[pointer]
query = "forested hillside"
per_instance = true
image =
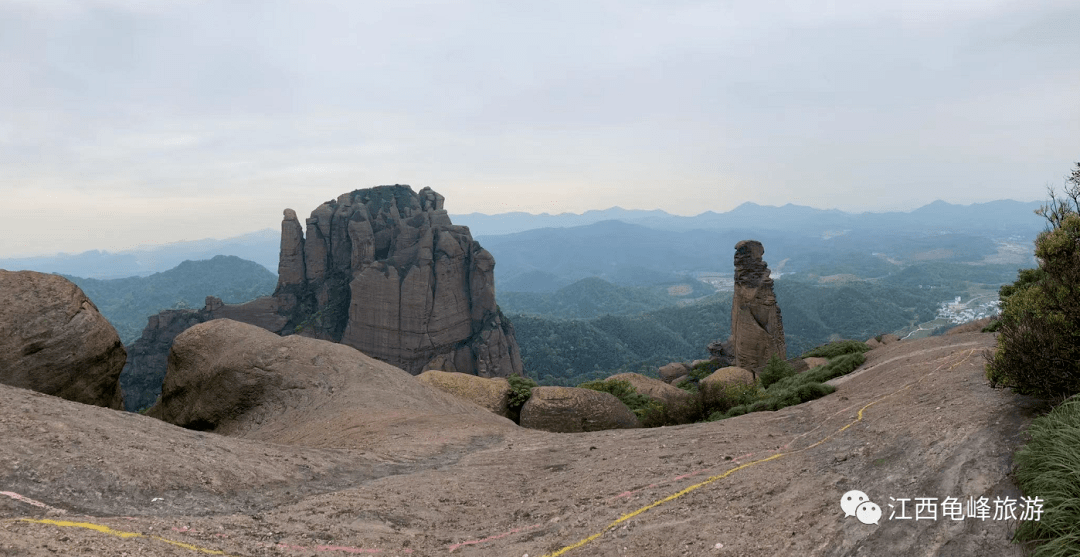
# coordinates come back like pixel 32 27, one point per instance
pixel 128 302
pixel 560 350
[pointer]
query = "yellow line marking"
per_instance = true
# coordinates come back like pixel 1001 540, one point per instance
pixel 120 533
pixel 712 479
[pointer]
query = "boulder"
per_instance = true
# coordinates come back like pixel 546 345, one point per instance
pixel 729 375
pixel 757 331
pixel 241 380
pixel 673 370
pixel 148 356
pixel 491 393
pixel 655 389
pixel 889 339
pixel 873 342
pixel 53 340
pixel 572 410
pixel 815 362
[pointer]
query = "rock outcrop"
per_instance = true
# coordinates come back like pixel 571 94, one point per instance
pixel 757 331
pixel 241 380
pixel 490 393
pixel 573 410
pixel 53 340
pixel 382 270
pixel 673 371
pixel 148 356
pixel 729 375
pixel 655 389
pixel 385 271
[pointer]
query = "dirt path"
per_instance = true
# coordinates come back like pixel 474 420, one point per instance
pixel 917 420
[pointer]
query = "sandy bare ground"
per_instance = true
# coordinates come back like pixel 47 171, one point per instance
pixel 763 484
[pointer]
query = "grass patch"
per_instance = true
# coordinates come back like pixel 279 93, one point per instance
pixel 838 348
pixel 1047 468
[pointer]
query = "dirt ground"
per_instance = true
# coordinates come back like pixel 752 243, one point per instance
pixel 917 420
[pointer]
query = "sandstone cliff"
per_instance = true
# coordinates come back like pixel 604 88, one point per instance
pixel 382 270
pixel 385 271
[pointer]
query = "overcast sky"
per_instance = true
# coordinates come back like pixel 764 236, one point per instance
pixel 128 122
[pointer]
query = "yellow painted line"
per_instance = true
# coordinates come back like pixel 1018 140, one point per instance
pixel 120 534
pixel 712 479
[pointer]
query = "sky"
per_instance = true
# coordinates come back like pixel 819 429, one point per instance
pixel 134 122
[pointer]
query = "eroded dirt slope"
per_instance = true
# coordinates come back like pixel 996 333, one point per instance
pixel 930 427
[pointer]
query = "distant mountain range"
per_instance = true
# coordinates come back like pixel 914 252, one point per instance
pixel 995 219
pixel 128 302
pixel 261 247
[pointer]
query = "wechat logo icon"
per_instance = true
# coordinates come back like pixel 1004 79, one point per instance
pixel 856 503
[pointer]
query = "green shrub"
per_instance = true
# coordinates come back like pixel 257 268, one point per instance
pixel 775 370
pixel 520 391
pixel 1038 350
pixel 721 397
pixel 624 391
pixel 840 365
pixel 838 348
pixel 1046 468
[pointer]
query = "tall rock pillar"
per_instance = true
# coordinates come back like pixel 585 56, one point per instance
pixel 757 331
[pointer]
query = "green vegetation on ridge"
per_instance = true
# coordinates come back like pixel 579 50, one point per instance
pixel 127 302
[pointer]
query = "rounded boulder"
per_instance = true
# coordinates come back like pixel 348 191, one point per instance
pixel 573 410
pixel 53 340
pixel 729 375
pixel 491 393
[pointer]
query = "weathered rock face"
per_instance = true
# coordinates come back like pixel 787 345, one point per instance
pixel 757 331
pixel 148 356
pixel 382 270
pixel 729 375
pixel 491 393
pixel 53 340
pixel 673 371
pixel 385 271
pixel 240 380
pixel 573 410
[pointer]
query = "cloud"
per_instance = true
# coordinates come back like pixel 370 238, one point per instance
pixel 686 106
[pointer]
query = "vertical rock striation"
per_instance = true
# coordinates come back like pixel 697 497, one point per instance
pixel 757 331
pixel 385 271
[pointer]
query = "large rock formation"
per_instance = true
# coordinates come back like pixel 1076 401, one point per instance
pixel 382 270
pixel 385 271
pixel 241 380
pixel 53 340
pixel 756 329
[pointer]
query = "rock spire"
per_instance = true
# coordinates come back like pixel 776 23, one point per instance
pixel 757 331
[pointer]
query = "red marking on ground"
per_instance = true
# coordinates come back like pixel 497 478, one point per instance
pixel 345 549
pixel 30 501
pixel 495 537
